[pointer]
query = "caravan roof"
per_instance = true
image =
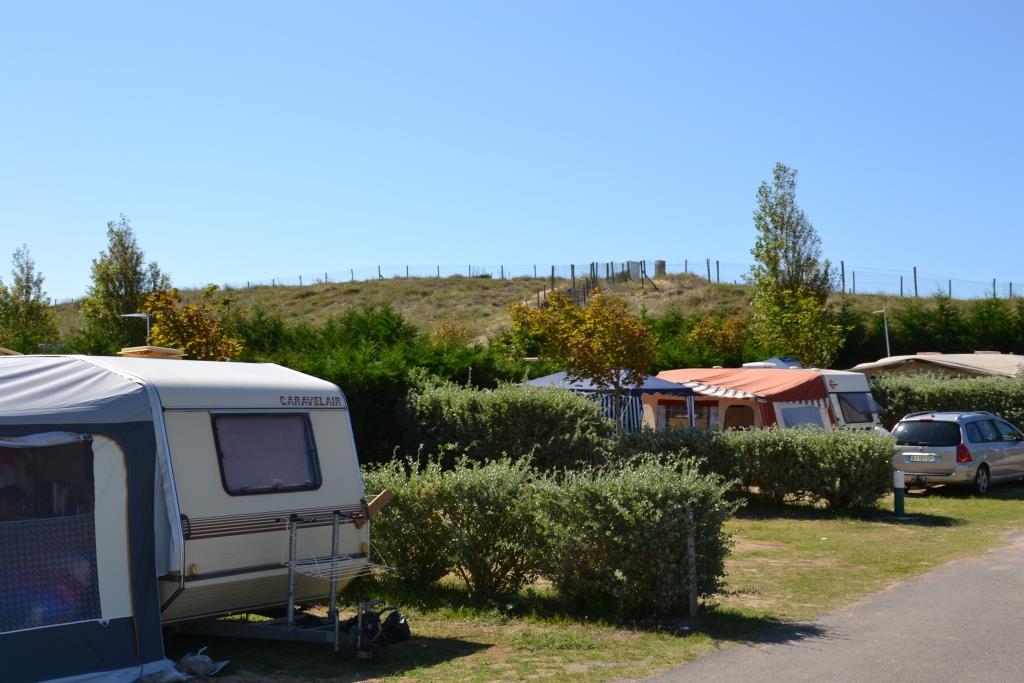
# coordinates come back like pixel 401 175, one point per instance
pixel 53 382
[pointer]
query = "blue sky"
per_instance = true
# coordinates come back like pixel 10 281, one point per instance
pixel 254 140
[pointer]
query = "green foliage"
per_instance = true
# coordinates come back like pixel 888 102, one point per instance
pixel 479 520
pixel 602 342
pixel 195 328
pixel 371 353
pixel 556 428
pixel 121 281
pixel 843 468
pixel 493 532
pixel 411 532
pixel 791 281
pixel 26 319
pixel 900 395
pixel 608 539
pixel 617 539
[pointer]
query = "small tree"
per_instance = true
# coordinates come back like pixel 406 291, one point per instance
pixel 121 281
pixel 791 281
pixel 193 328
pixel 26 318
pixel 602 342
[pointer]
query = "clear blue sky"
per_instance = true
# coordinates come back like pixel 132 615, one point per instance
pixel 251 140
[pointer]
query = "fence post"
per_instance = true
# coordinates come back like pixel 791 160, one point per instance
pixel 854 274
pixel 718 272
pixel 1011 290
pixel 993 288
pixel 326 279
pixel 439 272
pixel 552 278
pixel 691 561
pixel 686 266
pixel 300 281
pixel 572 274
pixel 949 287
pixel 842 275
pixel 709 271
pixel 273 282
pixel 502 272
pixel 352 274
pixel 915 282
pixel 901 285
pixel 407 272
pixel 534 271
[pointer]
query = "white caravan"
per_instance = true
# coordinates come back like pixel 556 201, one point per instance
pixel 137 492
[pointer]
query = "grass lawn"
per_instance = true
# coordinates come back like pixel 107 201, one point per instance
pixel 789 565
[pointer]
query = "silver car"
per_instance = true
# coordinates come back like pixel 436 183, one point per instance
pixel 974 449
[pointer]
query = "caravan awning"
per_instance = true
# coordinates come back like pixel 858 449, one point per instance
pixel 650 385
pixel 751 383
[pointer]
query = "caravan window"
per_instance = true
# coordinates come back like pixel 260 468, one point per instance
pixel 266 453
pixel 800 415
pixel 857 406
pixel 47 532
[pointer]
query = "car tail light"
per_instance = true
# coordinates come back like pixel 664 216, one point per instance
pixel 962 454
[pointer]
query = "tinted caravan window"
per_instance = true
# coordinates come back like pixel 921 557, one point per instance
pixel 266 453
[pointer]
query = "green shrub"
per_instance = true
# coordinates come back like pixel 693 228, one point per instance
pixel 556 428
pixel 493 536
pixel 411 533
pixel 900 395
pixel 843 468
pixel 478 520
pixel 617 539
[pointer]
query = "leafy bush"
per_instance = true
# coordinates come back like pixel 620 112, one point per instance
pixel 479 520
pixel 493 536
pixel 907 394
pixel 556 428
pixel 411 532
pixel 617 539
pixel 842 467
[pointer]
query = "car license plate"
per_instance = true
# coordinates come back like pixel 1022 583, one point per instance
pixel 921 457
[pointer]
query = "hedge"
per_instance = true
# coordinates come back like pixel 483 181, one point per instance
pixel 556 428
pixel 900 395
pixel 843 468
pixel 607 539
pixel 617 539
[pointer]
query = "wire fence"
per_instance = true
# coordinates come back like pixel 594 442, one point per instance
pixel 850 278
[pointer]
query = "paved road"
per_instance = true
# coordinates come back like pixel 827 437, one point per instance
pixel 961 622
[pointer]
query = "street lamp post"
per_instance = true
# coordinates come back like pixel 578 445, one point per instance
pixel 139 315
pixel 885 323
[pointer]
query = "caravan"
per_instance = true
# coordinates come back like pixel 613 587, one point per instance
pixel 138 493
pixel 727 398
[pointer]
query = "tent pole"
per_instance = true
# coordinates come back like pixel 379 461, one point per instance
pixel 689 411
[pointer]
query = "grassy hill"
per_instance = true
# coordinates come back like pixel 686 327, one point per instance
pixel 479 303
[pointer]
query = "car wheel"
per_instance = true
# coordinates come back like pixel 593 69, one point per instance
pixel 982 481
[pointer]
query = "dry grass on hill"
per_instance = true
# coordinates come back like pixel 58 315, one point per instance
pixel 479 304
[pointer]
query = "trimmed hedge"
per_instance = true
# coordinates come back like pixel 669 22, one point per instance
pixel 479 521
pixel 844 468
pixel 900 395
pixel 617 539
pixel 556 428
pixel 607 539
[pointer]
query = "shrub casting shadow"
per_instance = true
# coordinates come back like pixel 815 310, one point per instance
pixel 755 630
pixel 757 509
pixel 314 660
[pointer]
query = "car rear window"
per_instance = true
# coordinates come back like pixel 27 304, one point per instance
pixel 927 433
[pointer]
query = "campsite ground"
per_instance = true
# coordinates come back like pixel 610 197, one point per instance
pixel 788 566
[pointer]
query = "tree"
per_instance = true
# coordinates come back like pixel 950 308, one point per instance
pixel 121 281
pixel 724 338
pixel 193 328
pixel 26 319
pixel 602 342
pixel 787 252
pixel 791 281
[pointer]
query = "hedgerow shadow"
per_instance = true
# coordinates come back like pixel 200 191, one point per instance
pixel 757 509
